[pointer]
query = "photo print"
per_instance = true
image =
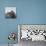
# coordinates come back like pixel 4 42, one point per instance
pixel 10 12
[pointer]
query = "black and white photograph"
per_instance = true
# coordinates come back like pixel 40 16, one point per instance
pixel 31 34
pixel 10 12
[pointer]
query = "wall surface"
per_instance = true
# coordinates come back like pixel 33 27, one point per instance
pixel 28 12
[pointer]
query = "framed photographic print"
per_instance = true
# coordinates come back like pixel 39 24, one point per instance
pixel 32 32
pixel 10 12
